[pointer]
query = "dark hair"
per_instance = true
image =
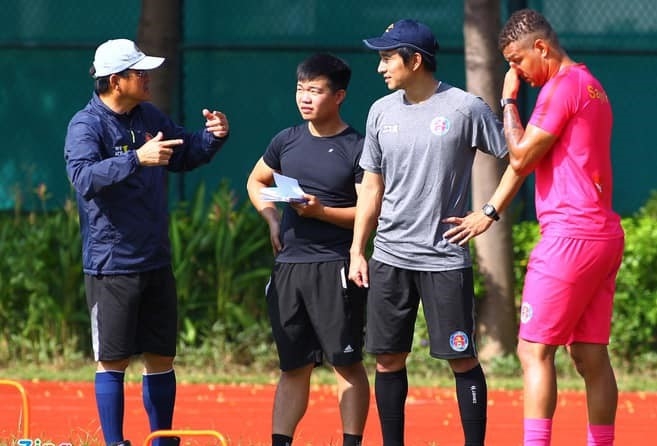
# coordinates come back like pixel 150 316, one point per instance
pixel 333 68
pixel 406 53
pixel 101 84
pixel 523 23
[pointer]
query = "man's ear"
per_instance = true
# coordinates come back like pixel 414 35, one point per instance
pixel 416 61
pixel 542 47
pixel 113 81
pixel 340 96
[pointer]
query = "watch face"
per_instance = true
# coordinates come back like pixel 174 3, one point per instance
pixel 490 211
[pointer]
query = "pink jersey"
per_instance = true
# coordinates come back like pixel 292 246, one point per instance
pixel 574 179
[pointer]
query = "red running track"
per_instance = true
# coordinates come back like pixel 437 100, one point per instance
pixel 66 412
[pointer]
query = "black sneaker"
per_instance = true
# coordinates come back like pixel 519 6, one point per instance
pixel 121 443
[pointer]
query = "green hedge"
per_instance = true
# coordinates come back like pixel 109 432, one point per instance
pixel 222 259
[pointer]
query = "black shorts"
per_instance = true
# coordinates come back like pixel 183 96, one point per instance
pixel 448 304
pixel 314 311
pixel 132 314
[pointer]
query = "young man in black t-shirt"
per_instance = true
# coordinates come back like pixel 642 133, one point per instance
pixel 315 311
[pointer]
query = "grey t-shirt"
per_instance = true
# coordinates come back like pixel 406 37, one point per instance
pixel 424 153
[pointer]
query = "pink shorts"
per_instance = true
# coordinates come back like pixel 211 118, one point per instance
pixel 569 290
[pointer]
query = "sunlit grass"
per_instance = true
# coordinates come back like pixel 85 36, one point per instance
pixel 503 374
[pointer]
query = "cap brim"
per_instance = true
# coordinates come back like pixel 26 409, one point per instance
pixel 147 63
pixel 381 44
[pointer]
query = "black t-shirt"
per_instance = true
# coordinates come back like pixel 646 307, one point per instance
pixel 327 168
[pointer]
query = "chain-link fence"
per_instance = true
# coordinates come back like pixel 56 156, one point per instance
pixel 240 57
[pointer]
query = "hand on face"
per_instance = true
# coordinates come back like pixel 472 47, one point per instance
pixel 511 84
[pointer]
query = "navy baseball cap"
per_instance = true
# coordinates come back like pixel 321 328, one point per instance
pixel 405 32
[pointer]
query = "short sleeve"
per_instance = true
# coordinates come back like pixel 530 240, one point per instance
pixel 487 131
pixel 370 159
pixel 554 105
pixel 272 156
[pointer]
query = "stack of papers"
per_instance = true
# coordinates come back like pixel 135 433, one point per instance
pixel 287 189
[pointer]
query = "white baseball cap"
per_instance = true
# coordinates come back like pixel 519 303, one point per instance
pixel 117 55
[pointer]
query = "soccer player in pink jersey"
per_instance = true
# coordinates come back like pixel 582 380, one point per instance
pixel 570 282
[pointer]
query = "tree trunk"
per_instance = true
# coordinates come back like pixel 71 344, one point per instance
pixel 496 311
pixel 159 34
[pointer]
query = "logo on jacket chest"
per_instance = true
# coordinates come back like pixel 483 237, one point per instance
pixel 121 150
pixel 136 140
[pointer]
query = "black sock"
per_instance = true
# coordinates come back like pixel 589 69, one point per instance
pixel 352 440
pixel 391 390
pixel 280 440
pixel 472 396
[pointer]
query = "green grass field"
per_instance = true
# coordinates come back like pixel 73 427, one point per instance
pixel 423 371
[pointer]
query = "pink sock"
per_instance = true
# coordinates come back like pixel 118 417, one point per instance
pixel 600 435
pixel 538 431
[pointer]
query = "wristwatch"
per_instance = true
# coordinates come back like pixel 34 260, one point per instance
pixel 506 101
pixel 490 211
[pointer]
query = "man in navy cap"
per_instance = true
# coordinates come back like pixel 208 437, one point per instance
pixel 420 144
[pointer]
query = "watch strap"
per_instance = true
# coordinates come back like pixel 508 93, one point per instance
pixel 490 211
pixel 506 101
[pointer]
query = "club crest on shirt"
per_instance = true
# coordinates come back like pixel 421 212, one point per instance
pixel 459 341
pixel 439 125
pixel 526 312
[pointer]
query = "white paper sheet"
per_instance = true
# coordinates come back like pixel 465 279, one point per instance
pixel 287 190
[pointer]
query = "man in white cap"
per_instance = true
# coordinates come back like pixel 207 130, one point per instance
pixel 118 150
